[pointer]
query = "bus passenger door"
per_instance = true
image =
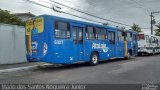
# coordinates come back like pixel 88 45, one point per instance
pixel 135 45
pixel 120 44
pixel 78 52
pixel 112 42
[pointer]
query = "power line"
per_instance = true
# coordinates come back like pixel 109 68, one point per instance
pixel 88 13
pixel 140 5
pixel 66 12
pixel 80 12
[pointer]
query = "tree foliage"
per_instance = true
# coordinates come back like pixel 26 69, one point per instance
pixel 6 17
pixel 106 24
pixel 157 31
pixel 136 28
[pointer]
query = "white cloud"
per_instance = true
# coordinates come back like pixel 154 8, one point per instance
pixel 125 11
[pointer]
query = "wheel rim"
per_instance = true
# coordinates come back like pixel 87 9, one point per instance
pixel 94 59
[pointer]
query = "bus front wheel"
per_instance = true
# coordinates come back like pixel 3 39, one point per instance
pixel 93 59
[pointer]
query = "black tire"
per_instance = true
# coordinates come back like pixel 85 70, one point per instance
pixel 31 61
pixel 139 54
pixel 93 59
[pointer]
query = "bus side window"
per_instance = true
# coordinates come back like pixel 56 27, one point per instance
pixel 133 38
pixel 147 38
pixel 120 36
pixel 90 33
pixel 129 36
pixel 111 37
pixel 104 34
pixel 62 29
pixel 153 40
pixel 100 34
pixel 156 40
pixel 150 40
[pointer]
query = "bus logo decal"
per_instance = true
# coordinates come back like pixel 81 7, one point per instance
pixel 34 45
pixel 71 58
pixel 100 46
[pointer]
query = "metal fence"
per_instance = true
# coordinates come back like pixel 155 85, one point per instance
pixel 12 44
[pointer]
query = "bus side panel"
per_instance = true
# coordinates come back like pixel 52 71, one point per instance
pixel 92 46
pixel 87 49
pixel 104 53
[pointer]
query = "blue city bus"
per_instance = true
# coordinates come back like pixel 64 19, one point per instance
pixel 60 40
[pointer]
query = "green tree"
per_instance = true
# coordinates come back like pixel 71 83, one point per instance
pixel 136 28
pixel 6 17
pixel 157 31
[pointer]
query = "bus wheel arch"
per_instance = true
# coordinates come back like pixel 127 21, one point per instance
pixel 94 58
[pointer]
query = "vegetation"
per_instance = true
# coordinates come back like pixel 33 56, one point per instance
pixel 106 24
pixel 157 31
pixel 136 28
pixel 6 17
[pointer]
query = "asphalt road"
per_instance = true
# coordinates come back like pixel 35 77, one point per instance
pixel 138 70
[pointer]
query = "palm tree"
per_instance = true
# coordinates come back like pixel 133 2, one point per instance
pixel 157 30
pixel 136 28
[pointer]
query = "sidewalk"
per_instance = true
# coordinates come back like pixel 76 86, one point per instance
pixel 20 66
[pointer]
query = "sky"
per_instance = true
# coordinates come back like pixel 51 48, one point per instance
pixel 124 11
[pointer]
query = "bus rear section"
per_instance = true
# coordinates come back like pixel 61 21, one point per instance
pixel 35 45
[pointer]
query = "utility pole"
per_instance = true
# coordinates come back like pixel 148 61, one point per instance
pixel 152 21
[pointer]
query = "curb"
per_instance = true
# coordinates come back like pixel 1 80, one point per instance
pixel 24 68
pixel 18 69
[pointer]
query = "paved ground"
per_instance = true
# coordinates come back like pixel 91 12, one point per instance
pixel 145 69
pixel 17 65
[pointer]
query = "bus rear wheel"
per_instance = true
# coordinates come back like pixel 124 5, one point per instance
pixel 93 59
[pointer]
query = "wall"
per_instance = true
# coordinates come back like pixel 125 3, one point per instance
pixel 12 44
